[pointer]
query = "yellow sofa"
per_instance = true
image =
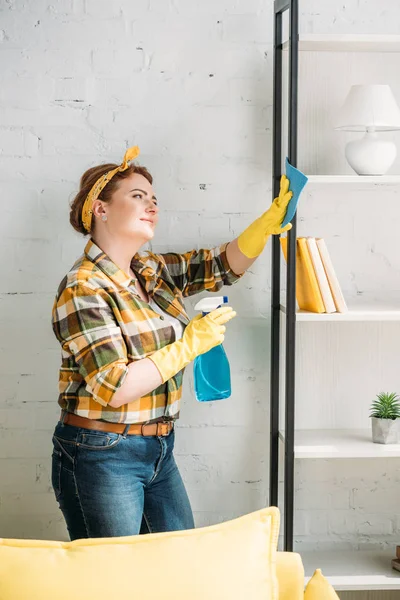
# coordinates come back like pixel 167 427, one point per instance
pixel 290 573
pixel 236 560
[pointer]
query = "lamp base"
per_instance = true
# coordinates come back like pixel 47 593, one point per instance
pixel 371 155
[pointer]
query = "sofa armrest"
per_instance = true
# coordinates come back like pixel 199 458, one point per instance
pixel 290 572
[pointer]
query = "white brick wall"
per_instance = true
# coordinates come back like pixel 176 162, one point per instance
pixel 191 83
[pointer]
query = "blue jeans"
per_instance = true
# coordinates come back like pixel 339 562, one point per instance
pixel 108 485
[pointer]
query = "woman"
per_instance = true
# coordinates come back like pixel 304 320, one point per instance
pixel 126 338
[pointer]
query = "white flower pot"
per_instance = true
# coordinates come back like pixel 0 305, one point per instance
pixel 385 431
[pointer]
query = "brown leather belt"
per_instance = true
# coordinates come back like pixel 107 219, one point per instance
pixel 162 428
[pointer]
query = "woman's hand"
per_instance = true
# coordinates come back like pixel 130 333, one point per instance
pixel 253 239
pixel 201 334
pixel 275 215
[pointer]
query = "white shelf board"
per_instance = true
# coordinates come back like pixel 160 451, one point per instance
pixel 347 43
pixel 354 570
pixel 339 443
pixel 361 312
pixel 354 179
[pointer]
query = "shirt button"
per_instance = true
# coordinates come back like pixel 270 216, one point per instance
pixel 162 318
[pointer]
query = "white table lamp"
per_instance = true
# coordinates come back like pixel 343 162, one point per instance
pixel 370 108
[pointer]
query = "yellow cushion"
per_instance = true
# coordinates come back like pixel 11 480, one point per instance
pixel 234 560
pixel 290 573
pixel 319 588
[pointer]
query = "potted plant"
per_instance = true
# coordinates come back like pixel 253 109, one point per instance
pixel 385 411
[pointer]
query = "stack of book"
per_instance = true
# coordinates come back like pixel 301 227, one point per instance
pixel 317 287
pixel 396 561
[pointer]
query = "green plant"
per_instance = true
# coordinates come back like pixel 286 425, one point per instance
pixel 387 406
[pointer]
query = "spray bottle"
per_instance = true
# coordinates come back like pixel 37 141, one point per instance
pixel 212 376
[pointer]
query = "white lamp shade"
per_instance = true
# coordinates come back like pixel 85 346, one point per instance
pixel 369 107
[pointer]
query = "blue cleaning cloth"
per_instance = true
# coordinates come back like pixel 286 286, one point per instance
pixel 297 183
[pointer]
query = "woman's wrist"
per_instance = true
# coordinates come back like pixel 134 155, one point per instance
pixel 238 261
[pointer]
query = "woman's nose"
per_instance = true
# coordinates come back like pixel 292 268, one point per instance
pixel 152 208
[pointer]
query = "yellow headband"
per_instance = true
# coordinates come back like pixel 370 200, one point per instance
pixel 101 183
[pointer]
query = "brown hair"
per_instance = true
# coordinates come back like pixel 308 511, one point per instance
pixel 89 178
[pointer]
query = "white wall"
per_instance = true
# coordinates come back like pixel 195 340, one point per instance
pixel 191 83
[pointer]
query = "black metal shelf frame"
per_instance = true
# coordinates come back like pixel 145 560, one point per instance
pixel 280 7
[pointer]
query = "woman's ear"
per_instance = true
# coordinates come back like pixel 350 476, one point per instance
pixel 99 209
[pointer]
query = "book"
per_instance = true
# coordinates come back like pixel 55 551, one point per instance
pixel 321 276
pixel 307 290
pixel 336 291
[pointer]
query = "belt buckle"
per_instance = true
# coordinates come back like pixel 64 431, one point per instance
pixel 166 429
pixel 159 427
pixel 170 425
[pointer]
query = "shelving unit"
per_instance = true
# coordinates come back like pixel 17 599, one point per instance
pixel 360 312
pixel 339 443
pixel 345 42
pixel 356 570
pixel 358 180
pixel 352 571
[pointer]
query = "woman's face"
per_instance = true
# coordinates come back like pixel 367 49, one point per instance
pixel 133 210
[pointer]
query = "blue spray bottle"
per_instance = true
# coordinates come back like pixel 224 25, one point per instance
pixel 212 376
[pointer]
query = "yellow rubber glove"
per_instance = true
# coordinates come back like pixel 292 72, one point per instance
pixel 200 335
pixel 253 239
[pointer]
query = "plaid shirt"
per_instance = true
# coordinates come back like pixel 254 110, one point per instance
pixel 103 325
